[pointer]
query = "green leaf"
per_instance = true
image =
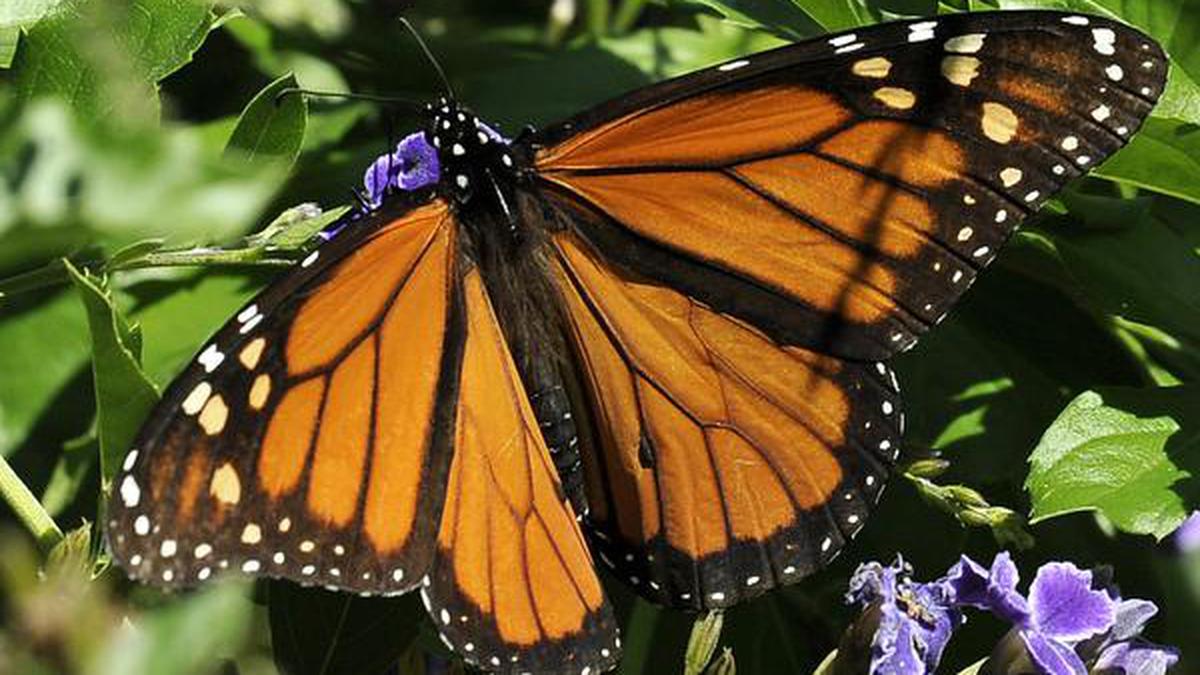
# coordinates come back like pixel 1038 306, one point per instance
pixel 296 226
pixel 45 346
pixel 319 632
pixel 781 17
pixel 270 129
pixel 15 16
pixel 1145 273
pixel 196 634
pixel 106 58
pixel 1124 453
pixel 79 185
pixel 9 36
pixel 124 395
pixel 78 457
pixel 1164 156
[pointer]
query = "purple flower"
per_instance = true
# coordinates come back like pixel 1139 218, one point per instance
pixel 915 619
pixel 1067 624
pixel 413 165
pixel 1187 537
pixel 1122 650
pixel 1061 611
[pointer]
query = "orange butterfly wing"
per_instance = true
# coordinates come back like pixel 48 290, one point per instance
pixel 274 453
pixel 727 464
pixel 514 585
pixel 361 426
pixel 739 245
pixel 843 193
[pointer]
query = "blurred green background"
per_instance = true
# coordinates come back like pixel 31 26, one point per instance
pixel 133 134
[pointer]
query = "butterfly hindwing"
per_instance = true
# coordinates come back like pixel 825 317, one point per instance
pixel 842 193
pixel 722 464
pixel 277 452
pixel 514 587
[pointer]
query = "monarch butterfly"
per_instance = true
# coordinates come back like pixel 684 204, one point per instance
pixel 660 325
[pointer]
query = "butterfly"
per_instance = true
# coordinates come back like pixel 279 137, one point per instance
pixel 655 333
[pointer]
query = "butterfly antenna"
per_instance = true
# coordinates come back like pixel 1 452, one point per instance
pixel 429 55
pixel 401 101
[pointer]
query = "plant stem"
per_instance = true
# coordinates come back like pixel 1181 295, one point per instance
pixel 202 256
pixel 28 508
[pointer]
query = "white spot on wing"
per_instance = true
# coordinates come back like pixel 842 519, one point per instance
pixel 210 358
pixel 1103 41
pixel 131 494
pixel 733 65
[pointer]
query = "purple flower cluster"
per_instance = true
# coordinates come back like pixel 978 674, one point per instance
pixel 1070 623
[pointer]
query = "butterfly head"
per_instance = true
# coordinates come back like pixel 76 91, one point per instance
pixel 469 151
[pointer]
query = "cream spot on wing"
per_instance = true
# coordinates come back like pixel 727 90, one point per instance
pixel 226 487
pixel 252 352
pixel 960 70
pixel 197 398
pixel 1070 143
pixel 259 391
pixel 1101 113
pixel 999 122
pixel 251 534
pixel 965 44
pixel 876 67
pixel 895 97
pixel 214 415
pixel 1011 176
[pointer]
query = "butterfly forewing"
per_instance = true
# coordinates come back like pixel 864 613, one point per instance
pixel 841 194
pixel 280 450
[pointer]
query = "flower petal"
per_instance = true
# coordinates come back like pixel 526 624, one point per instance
pixel 378 177
pixel 1137 657
pixel 1064 606
pixel 1051 656
pixel 872 581
pixel 1003 598
pixel 1130 616
pixel 968 583
pixel 417 162
pixel 1187 536
pixel 898 655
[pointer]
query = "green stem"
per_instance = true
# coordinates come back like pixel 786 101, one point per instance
pixel 54 274
pixel 28 508
pixel 203 256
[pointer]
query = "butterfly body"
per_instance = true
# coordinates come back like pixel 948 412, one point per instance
pixel 661 323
